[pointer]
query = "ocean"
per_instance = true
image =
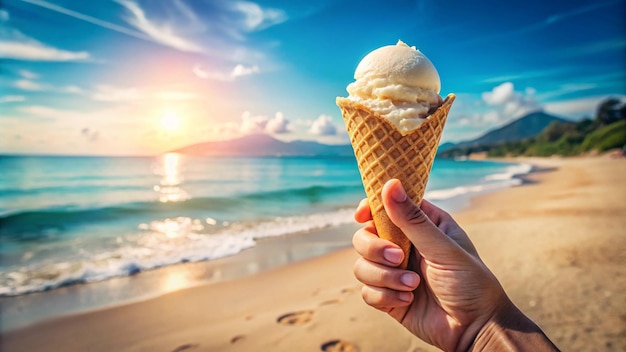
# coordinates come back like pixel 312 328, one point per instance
pixel 71 220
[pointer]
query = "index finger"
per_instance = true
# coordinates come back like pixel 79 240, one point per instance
pixel 363 213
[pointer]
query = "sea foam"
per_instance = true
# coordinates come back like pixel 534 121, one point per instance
pixel 161 243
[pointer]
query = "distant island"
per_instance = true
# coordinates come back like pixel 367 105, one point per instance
pixel 259 145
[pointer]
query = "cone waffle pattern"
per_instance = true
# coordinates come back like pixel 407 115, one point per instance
pixel 383 153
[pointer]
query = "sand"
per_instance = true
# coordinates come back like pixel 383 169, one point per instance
pixel 556 243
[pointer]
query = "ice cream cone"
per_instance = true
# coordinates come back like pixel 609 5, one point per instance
pixel 383 153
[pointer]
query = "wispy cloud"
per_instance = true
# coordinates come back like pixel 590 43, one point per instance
pixel 35 51
pixel 579 107
pixel 210 34
pixel 146 28
pixel 12 99
pixel 4 15
pixel 28 74
pixel 256 17
pixel 34 86
pixel 86 18
pixel 161 33
pixel 115 94
pixel 111 93
pixel 579 11
pixel 46 113
pixel 529 74
pixel 237 71
pixel 595 47
pixel 543 24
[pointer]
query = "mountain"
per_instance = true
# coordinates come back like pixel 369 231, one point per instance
pixel 525 127
pixel 264 145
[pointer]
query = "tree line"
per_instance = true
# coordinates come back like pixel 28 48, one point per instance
pixel 607 130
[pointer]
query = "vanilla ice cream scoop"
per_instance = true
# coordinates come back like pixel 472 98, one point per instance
pixel 399 83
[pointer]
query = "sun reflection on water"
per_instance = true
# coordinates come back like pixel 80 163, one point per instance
pixel 170 170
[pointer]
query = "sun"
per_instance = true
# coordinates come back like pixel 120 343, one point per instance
pixel 170 122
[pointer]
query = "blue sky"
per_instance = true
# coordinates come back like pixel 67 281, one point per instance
pixel 141 77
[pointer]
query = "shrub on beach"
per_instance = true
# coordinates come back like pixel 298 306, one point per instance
pixel 607 137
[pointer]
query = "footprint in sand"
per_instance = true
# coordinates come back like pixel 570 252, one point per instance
pixel 296 318
pixel 185 347
pixel 331 301
pixel 349 290
pixel 237 338
pixel 339 346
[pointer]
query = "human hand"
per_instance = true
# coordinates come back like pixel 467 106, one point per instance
pixel 447 295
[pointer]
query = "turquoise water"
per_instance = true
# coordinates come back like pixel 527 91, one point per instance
pixel 66 220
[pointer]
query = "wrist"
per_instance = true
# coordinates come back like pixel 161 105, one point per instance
pixel 510 330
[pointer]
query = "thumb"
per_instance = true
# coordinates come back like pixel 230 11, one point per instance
pixel 429 240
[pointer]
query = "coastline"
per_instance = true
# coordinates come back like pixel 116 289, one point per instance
pixel 518 231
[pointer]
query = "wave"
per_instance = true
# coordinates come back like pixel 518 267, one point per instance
pixel 28 223
pixel 511 172
pixel 156 247
pixel 509 177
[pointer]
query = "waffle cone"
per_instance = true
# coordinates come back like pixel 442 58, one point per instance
pixel 383 153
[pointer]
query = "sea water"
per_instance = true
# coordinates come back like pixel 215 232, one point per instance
pixel 68 220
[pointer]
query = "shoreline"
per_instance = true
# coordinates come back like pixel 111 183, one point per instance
pixel 23 310
pixel 269 253
pixel 565 280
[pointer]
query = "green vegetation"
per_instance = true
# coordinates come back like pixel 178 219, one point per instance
pixel 605 132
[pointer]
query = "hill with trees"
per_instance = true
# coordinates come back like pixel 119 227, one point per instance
pixel 560 137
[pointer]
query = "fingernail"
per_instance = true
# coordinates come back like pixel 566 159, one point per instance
pixel 409 279
pixel 398 194
pixel 393 255
pixel 405 296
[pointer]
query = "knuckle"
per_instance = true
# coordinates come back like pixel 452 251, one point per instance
pixel 365 294
pixel 370 296
pixel 386 276
pixel 356 269
pixel 417 217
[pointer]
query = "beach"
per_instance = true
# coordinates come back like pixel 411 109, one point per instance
pixel 557 243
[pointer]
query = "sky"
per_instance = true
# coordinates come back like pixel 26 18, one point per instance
pixel 130 77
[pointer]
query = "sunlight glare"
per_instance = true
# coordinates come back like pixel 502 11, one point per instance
pixel 170 122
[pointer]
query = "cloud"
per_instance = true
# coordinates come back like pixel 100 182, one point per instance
pixel 115 94
pixel 578 11
pixel 499 95
pixel 252 124
pixel 4 15
pixel 33 86
pixel 160 33
pixel 323 126
pixel 255 17
pixel 34 51
pixel 11 99
pixel 238 71
pixel 28 74
pixel 262 124
pixel 277 125
pixel 594 47
pixel 579 107
pixel 505 104
pixel 47 113
pixel 25 84
pixel 89 19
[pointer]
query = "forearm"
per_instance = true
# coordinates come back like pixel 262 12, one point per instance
pixel 511 330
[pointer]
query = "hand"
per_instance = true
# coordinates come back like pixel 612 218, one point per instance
pixel 448 294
